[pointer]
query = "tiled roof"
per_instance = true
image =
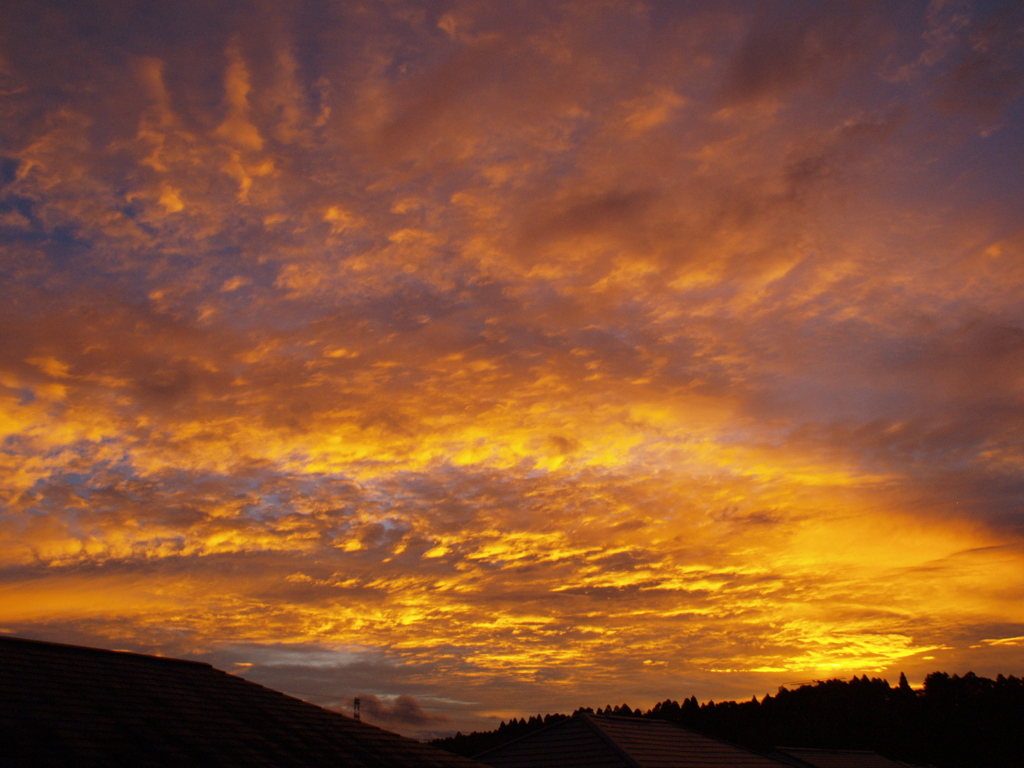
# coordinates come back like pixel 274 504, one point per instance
pixel 607 741
pixel 67 705
pixel 841 758
pixel 569 743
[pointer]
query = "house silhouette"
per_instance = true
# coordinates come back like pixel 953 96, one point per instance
pixel 66 705
pixel 609 741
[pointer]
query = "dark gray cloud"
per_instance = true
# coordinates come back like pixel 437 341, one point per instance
pixel 403 712
pixel 797 42
pixel 989 72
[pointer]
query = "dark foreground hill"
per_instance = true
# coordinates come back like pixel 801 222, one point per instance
pixel 953 722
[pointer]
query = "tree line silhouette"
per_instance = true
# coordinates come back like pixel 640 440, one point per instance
pixel 952 722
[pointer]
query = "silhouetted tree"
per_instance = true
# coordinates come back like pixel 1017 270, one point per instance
pixel 953 722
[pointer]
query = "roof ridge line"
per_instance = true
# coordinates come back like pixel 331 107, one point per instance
pixel 93 649
pixel 630 760
pixel 524 736
pixel 774 753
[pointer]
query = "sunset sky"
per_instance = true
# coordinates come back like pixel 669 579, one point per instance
pixel 511 357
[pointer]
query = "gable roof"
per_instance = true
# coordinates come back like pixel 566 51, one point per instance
pixel 608 741
pixel 840 758
pixel 71 705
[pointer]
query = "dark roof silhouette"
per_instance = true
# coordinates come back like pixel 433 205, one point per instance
pixel 68 705
pixel 841 758
pixel 608 741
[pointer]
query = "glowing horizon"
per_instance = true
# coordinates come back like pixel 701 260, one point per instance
pixel 515 358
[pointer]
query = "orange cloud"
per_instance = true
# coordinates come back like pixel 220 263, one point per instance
pixel 548 353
